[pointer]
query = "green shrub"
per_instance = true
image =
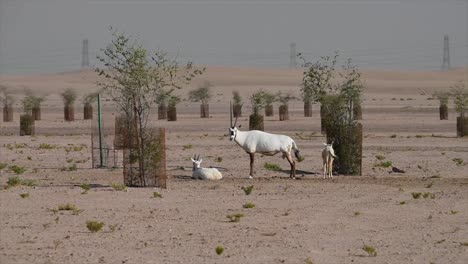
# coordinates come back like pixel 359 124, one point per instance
pixel 235 217
pixel 13 181
pixel 247 189
pixel 94 226
pixel 118 186
pixel 272 166
pixel 458 161
pixel 416 195
pixel 370 250
pixel 67 207
pixel 188 146
pixel 17 169
pixel 380 157
pixel 248 205
pixel 3 165
pixel 24 195
pixel 47 146
pixel 384 164
pixel 157 195
pixel 86 187
pixel 219 159
pixel 219 250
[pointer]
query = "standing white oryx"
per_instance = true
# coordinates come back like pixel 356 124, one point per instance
pixel 204 173
pixel 328 155
pixel 256 141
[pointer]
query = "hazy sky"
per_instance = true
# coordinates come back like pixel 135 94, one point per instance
pixel 46 35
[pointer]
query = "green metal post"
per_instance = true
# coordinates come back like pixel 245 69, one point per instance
pixel 100 131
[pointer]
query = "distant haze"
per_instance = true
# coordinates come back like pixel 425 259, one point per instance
pixel 40 36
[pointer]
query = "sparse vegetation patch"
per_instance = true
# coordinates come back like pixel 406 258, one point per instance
pixel 94 226
pixel 272 166
pixel 370 250
pixel 247 189
pixel 235 217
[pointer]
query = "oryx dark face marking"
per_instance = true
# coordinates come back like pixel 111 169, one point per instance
pixel 232 133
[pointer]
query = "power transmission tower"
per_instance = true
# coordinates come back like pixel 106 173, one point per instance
pixel 85 55
pixel 446 57
pixel 292 55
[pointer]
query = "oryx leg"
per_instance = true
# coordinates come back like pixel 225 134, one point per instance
pixel 292 174
pixel 252 158
pixel 325 164
pixel 330 168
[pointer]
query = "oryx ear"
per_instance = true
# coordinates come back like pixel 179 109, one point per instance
pixel 192 160
pixel 325 144
pixel 201 160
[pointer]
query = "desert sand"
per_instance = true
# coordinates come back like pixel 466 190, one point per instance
pixel 307 220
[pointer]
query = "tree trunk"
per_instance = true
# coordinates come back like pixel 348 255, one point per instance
pixel 269 110
pixel 26 125
pixel 307 109
pixel 462 126
pixel 162 111
pixel 283 113
pixel 322 119
pixel 7 114
pixel 205 111
pixel 443 112
pixel 36 113
pixel 357 111
pixel 256 122
pixel 69 113
pixel 154 158
pixel 172 113
pixel 237 110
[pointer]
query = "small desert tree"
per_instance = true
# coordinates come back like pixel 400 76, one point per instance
pixel 26 119
pixel 337 108
pixel 351 89
pixel 269 99
pixel 284 107
pixel 317 80
pixel 257 100
pixel 443 98
pixel 203 95
pixel 7 100
pixel 173 100
pixel 133 78
pixel 88 105
pixel 460 99
pixel 237 107
pixel 69 98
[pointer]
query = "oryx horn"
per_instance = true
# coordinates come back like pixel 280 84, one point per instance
pixel 230 111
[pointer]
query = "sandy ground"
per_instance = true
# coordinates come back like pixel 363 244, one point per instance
pixel 308 220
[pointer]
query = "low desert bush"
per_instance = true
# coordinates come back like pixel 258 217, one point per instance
pixel 235 217
pixel 248 205
pixel 94 226
pixel 219 250
pixel 118 186
pixel 272 166
pixel 247 189
pixel 370 250
pixel 17 169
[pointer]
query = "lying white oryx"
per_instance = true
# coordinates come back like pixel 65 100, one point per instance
pixel 204 173
pixel 328 155
pixel 256 141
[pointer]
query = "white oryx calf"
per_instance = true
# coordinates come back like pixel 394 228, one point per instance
pixel 204 173
pixel 328 155
pixel 256 141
